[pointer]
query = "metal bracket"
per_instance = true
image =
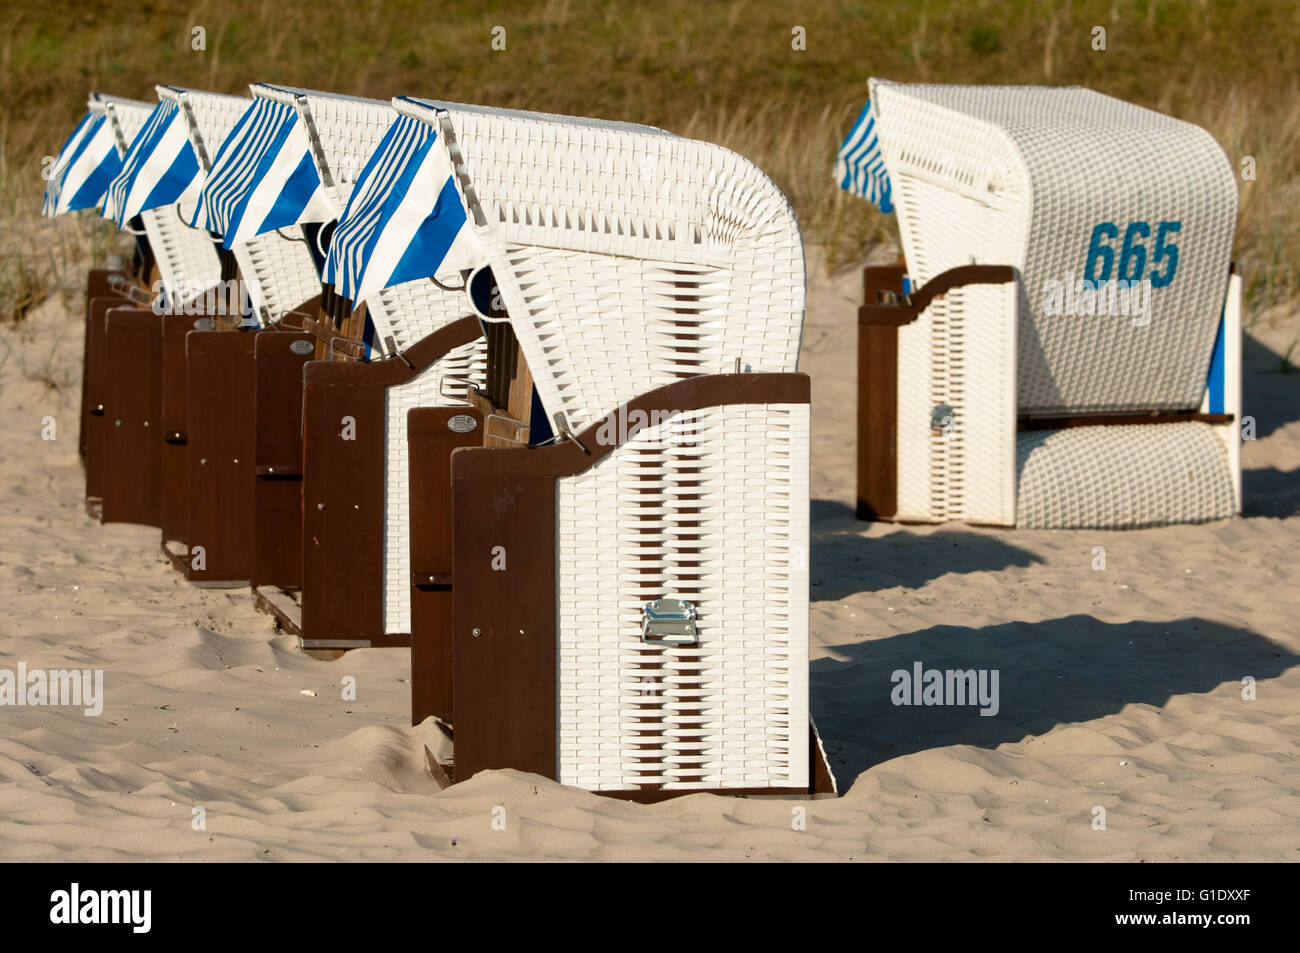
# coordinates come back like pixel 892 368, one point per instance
pixel 500 436
pixel 110 110
pixel 669 622
pixel 941 416
pixel 561 428
pixel 132 292
pixel 458 164
pixel 301 328
pixel 313 139
pixel 392 350
pixel 192 124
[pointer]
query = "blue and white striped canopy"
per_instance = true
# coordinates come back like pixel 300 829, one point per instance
pixel 86 164
pixel 405 219
pixel 160 168
pixel 263 177
pixel 860 167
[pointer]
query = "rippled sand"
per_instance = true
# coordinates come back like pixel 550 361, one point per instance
pixel 1120 689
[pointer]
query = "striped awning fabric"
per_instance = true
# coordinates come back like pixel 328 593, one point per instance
pixel 404 220
pixel 160 168
pixel 85 165
pixel 263 178
pixel 860 166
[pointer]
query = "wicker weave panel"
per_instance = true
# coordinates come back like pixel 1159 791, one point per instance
pixel 639 237
pixel 441 385
pixel 709 506
pixel 961 352
pixel 415 309
pixel 1057 162
pixel 278 272
pixel 1123 477
pixel 188 261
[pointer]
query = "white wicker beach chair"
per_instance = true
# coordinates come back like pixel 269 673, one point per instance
pixel 186 259
pixel 89 160
pixel 278 272
pixel 1009 395
pixel 122 472
pixel 356 564
pixel 631 604
pixel 272 274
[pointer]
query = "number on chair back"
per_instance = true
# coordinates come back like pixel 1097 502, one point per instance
pixel 1100 262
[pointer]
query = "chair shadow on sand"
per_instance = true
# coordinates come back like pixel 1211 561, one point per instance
pixel 1055 672
pixel 1269 395
pixel 1273 399
pixel 909 560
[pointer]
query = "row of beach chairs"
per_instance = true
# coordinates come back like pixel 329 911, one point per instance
pixel 520 391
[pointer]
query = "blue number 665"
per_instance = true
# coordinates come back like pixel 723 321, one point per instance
pixel 1133 254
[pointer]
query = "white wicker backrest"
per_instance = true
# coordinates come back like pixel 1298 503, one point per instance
pixel 1024 176
pixel 278 272
pixel 187 259
pixel 628 257
pixel 347 129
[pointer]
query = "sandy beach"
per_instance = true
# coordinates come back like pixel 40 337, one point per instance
pixel 1119 688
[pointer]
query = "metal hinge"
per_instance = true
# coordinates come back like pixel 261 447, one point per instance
pixel 669 622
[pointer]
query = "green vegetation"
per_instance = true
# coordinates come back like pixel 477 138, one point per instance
pixel 723 71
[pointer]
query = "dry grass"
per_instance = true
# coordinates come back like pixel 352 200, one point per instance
pixel 723 71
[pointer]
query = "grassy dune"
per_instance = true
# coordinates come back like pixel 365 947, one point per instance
pixel 724 71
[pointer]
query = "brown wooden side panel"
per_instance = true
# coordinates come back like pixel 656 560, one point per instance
pixel 277 486
pixel 344 450
pixel 878 403
pixel 431 440
pixel 175 455
pixel 97 286
pixel 96 362
pixel 220 379
pixel 277 532
pixel 504 679
pixel 504 624
pixel 133 414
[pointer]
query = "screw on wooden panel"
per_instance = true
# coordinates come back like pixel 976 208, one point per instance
pixel 117 423
pixel 477 632
pixel 203 462
pixel 320 506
